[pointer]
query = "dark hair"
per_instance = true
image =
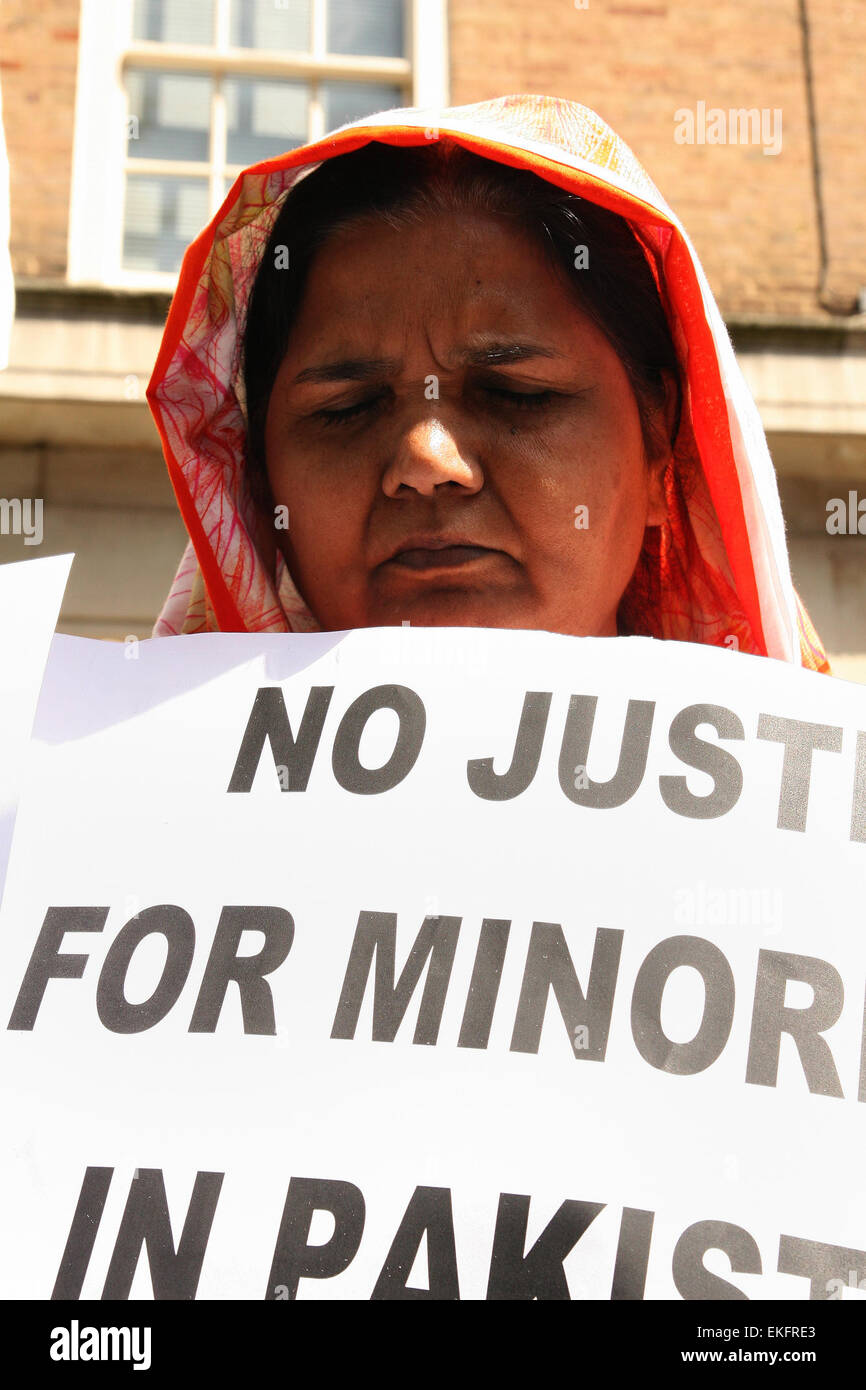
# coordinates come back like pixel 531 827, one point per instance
pixel 401 185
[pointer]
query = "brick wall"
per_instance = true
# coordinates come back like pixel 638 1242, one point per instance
pixel 752 216
pixel 838 48
pixel 38 59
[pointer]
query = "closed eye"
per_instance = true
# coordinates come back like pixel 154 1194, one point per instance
pixel 350 412
pixel 522 399
pixel 519 400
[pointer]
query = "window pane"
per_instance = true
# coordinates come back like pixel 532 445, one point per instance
pixel 173 21
pixel 172 115
pixel 161 217
pixel 270 24
pixel 349 101
pixel 264 116
pixel 368 27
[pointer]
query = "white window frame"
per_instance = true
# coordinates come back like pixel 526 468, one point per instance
pixel 100 156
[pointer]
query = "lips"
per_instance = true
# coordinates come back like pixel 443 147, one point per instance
pixel 431 552
pixel 439 557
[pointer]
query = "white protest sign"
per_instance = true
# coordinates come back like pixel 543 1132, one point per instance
pixel 407 963
pixel 31 592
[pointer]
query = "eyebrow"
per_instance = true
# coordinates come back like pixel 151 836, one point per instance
pixel 364 368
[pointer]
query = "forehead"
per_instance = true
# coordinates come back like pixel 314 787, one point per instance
pixel 451 274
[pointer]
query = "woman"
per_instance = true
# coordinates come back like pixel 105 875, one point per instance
pixel 463 368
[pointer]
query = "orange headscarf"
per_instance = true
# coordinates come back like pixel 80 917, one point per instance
pixel 716 572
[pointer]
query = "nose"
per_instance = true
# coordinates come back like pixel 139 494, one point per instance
pixel 427 455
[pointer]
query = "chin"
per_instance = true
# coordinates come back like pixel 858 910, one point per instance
pixel 459 610
pixel 477 618
pixel 470 614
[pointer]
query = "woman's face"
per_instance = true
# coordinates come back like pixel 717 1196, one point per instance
pixel 455 441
